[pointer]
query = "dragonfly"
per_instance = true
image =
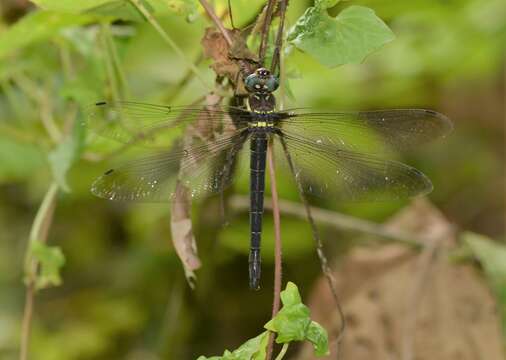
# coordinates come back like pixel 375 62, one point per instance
pixel 332 155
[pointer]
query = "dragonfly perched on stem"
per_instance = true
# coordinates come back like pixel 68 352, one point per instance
pixel 339 155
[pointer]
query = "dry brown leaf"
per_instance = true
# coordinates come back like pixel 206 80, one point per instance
pixel 182 233
pixel 202 130
pixel 181 223
pixel 215 47
pixel 229 61
pixel 409 305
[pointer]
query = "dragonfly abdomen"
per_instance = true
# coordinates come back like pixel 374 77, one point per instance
pixel 258 147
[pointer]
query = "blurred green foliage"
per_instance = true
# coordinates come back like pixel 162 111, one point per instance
pixel 123 294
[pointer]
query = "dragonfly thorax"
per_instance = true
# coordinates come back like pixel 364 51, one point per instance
pixel 261 102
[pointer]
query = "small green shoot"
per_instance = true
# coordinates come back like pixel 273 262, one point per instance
pixel 291 323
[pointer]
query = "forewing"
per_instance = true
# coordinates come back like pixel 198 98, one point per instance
pixel 373 132
pixel 158 125
pixel 329 171
pixel 203 167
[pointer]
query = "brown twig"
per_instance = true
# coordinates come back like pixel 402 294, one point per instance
pixel 26 324
pixel 336 220
pixel 279 36
pixel 277 246
pixel 39 232
pixel 327 272
pixel 265 30
pixel 209 10
pixel 270 155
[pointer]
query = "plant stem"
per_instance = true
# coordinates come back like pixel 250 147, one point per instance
pixel 115 92
pixel 279 37
pixel 168 40
pixel 282 352
pixel 26 324
pixel 336 220
pixel 274 192
pixel 327 272
pixel 265 31
pixel 209 10
pixel 115 61
pixel 277 245
pixel 38 232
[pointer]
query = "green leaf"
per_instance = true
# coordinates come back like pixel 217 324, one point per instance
pixel 492 257
pixel 319 337
pixel 36 27
pixel 69 5
pixel 66 153
pixel 292 322
pixel 290 296
pixel 50 259
pixel 348 38
pixel 253 349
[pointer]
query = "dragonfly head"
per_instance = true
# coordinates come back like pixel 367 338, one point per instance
pixel 261 81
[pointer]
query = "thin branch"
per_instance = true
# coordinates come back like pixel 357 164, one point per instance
pixel 319 248
pixel 265 30
pixel 115 61
pixel 168 40
pixel 38 232
pixel 231 15
pixel 209 10
pixel 26 324
pixel 336 220
pixel 283 351
pixel 109 67
pixel 279 36
pixel 277 246
pixel 66 61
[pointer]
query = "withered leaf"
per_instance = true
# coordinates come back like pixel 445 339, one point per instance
pixel 401 304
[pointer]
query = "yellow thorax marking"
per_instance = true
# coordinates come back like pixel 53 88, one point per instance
pixel 261 124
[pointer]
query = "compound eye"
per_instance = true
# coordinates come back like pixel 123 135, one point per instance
pixel 252 83
pixel 272 83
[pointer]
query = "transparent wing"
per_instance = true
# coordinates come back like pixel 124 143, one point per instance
pixel 369 131
pixel 158 125
pixel 204 167
pixel 324 170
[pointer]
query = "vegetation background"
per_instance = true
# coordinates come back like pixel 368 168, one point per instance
pixel 113 286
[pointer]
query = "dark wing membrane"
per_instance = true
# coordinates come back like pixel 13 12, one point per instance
pixel 369 131
pixel 158 125
pixel 329 171
pixel 203 168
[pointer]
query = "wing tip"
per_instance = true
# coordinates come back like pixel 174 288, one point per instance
pixel 447 124
pixel 97 186
pixel 425 187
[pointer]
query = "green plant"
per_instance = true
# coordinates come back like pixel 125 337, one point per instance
pixel 292 323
